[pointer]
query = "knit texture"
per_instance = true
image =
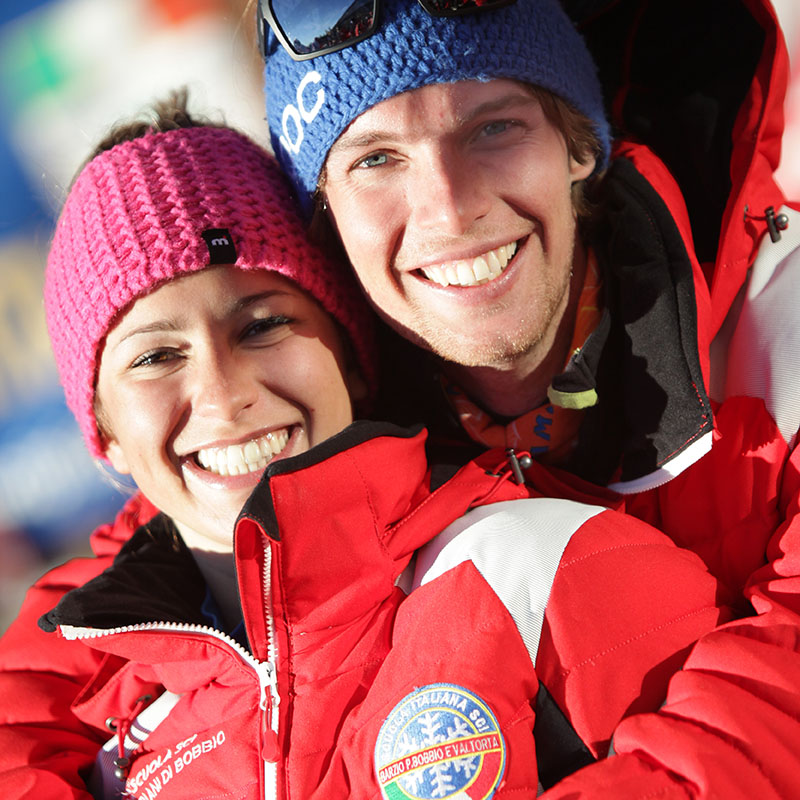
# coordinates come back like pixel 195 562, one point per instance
pixel 532 41
pixel 135 218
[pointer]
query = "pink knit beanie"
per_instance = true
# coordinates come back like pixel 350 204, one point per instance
pixel 166 204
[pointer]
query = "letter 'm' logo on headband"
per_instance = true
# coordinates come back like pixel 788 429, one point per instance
pixel 294 116
pixel 221 249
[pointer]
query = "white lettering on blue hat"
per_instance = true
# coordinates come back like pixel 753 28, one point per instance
pixel 299 114
pixel 533 41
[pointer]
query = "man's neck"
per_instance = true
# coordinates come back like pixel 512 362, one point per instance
pixel 516 386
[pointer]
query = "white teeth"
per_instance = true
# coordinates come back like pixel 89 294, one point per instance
pixel 436 275
pixel 465 273
pixel 472 272
pixel 238 459
pixel 235 458
pixel 481 269
pixel 251 453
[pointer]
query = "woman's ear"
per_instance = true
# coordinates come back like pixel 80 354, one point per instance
pixel 111 447
pixel 115 454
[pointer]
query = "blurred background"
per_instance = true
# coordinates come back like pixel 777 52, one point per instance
pixel 68 69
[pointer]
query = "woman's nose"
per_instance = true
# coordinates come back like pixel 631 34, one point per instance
pixel 223 385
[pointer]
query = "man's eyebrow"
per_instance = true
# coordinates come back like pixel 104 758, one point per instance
pixel 361 141
pixel 508 102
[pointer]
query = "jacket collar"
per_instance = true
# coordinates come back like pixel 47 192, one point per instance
pixel 653 417
pixel 153 578
pixel 336 527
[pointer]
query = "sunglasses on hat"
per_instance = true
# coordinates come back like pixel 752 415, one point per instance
pixel 309 29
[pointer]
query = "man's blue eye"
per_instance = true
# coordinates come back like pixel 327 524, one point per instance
pixel 375 160
pixel 493 128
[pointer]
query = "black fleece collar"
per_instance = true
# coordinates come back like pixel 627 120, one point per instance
pixel 653 403
pixel 153 578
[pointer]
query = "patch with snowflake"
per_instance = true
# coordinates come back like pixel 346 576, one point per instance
pixel 440 741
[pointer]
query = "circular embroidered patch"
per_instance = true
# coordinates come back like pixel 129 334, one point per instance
pixel 440 741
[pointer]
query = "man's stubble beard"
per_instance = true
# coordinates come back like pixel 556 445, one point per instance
pixel 502 349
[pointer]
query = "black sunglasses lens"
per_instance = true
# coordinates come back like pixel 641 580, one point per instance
pixel 445 8
pixel 322 25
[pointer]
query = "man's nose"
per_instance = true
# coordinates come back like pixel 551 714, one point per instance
pixel 223 387
pixel 446 194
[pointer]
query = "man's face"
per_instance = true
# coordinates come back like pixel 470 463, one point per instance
pixel 453 203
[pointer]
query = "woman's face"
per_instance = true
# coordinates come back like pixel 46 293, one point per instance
pixel 210 377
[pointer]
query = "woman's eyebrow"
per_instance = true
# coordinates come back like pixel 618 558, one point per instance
pixel 172 324
pixel 157 326
pixel 251 299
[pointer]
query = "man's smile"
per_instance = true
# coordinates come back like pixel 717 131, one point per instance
pixel 473 271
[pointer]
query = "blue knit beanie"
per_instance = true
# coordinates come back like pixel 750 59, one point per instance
pixel 310 103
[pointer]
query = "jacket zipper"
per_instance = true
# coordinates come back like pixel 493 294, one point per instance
pixel 270 698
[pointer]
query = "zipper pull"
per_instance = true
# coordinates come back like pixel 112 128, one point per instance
pixel 775 223
pixel 122 763
pixel 270 747
pixel 517 464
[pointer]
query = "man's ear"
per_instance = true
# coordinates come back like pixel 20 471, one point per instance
pixel 580 170
pixel 356 385
pixel 114 453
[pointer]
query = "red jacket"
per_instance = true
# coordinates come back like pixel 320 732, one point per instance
pixel 379 652
pixel 696 369
pixel 702 85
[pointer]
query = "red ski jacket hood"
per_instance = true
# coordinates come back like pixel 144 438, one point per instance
pixel 703 85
